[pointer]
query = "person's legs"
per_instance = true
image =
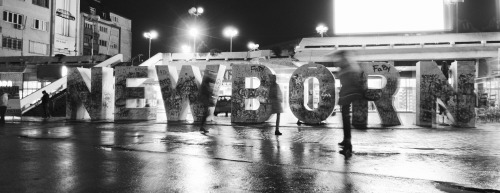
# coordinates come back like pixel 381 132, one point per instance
pixel 3 109
pixel 48 110
pixel 203 122
pixel 44 106
pixel 346 122
pixel 277 131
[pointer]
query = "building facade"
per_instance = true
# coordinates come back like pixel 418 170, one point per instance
pixel 39 27
pixel 25 27
pixel 104 32
pixel 65 16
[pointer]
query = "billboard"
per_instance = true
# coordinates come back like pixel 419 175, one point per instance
pixel 388 16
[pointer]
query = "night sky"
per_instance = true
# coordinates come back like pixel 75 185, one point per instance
pixel 266 22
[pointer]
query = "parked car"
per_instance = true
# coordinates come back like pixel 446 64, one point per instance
pixel 223 105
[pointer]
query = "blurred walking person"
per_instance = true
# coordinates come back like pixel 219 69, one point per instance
pixel 207 97
pixel 353 81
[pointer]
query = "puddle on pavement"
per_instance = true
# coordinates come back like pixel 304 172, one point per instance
pixel 452 188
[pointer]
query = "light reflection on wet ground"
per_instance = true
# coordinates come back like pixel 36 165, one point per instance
pixel 149 157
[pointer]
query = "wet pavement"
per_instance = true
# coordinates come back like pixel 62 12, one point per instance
pixel 57 156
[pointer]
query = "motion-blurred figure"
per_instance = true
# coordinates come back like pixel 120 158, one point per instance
pixel 354 86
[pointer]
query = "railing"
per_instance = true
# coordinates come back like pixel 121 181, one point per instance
pixel 374 42
pixel 32 100
pixel 220 56
pixel 401 47
pixel 488 115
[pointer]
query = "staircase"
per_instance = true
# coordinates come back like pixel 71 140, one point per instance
pixel 57 106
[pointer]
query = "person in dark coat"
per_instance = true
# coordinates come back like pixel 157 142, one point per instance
pixel 276 100
pixel 354 86
pixel 207 98
pixel 45 104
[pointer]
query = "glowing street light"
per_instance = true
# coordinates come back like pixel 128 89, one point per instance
pixel 230 32
pixel 185 49
pixel 150 35
pixel 194 32
pixel 196 11
pixel 321 29
pixel 252 46
pixel 64 71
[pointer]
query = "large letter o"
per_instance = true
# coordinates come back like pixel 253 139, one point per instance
pixel 326 93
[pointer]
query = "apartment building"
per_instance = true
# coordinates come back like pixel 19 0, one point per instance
pixel 104 32
pixel 25 27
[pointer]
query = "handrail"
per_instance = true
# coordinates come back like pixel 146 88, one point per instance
pixel 220 56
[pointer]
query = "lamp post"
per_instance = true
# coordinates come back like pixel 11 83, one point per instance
pixel 321 29
pixel 195 12
pixel 150 35
pixel 230 32
pixel 194 32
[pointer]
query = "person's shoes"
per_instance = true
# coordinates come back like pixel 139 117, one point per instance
pixel 203 130
pixel 278 133
pixel 346 151
pixel 345 143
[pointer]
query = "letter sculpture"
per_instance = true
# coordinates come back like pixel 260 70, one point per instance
pixel 383 98
pixel 326 94
pixel 90 93
pixel 239 93
pixel 432 87
pixel 179 91
pixel 128 88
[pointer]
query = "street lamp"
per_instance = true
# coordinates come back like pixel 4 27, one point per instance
pixel 321 29
pixel 194 32
pixel 252 46
pixel 196 11
pixel 185 49
pixel 230 32
pixel 150 35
